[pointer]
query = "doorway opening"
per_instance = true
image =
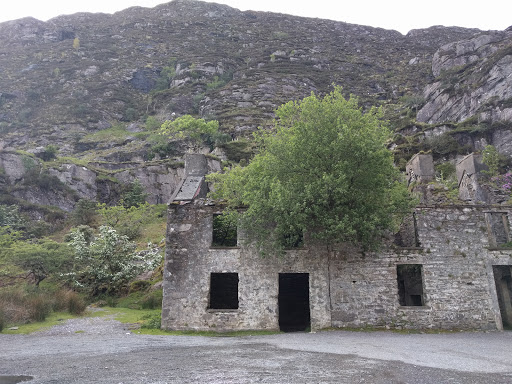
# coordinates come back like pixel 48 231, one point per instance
pixel 294 314
pixel 410 285
pixel 503 280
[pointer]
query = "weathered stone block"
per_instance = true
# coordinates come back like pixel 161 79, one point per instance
pixel 420 169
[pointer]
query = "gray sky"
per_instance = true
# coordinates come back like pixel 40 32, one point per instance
pixel 401 15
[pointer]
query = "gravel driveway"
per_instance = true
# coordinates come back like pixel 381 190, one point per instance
pixel 101 350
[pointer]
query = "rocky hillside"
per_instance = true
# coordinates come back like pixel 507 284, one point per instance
pixel 76 91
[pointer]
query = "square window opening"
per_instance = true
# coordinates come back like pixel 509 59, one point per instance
pixel 293 240
pixel 410 285
pixel 224 231
pixel 223 291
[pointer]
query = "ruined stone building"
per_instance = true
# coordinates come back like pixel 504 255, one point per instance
pixel 449 268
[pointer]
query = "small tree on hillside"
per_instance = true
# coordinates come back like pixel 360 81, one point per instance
pixel 108 261
pixel 34 259
pixel 198 131
pixel 134 195
pixel 324 169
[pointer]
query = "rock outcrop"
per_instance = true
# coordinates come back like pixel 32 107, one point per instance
pixel 473 78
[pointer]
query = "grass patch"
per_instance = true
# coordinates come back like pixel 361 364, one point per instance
pixel 51 320
pixel 116 134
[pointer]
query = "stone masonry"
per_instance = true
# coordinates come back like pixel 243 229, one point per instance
pixel 453 264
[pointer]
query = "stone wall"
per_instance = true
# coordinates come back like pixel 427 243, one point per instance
pixel 458 283
pixel 347 288
pixel 190 259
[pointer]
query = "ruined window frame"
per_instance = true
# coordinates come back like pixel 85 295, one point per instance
pixel 216 296
pixel 293 241
pixel 229 241
pixel 402 290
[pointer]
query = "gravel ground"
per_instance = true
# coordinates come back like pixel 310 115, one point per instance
pixel 102 350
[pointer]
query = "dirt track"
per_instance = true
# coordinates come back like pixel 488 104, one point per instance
pixel 105 351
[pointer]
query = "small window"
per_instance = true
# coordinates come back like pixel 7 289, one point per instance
pixel 407 236
pixel 410 285
pixel 224 231
pixel 293 240
pixel 224 291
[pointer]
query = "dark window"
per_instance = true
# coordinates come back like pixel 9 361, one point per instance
pixel 503 281
pixel 224 231
pixel 224 291
pixel 410 285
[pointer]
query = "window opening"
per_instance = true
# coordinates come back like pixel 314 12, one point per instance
pixel 410 285
pixel 293 240
pixel 224 291
pixel 407 236
pixel 503 281
pixel 224 231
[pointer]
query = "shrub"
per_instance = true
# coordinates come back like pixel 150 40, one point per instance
pixel 493 159
pixel 2 321
pixel 134 196
pixel 152 123
pixel 444 144
pixel 49 153
pixel 139 285
pixel 108 262
pixel 21 305
pixel 130 114
pixel 152 300
pixel 39 307
pixel 85 212
pixel 75 303
pixel 445 170
pixel 152 321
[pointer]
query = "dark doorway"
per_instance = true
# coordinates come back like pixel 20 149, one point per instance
pixel 503 280
pixel 410 285
pixel 293 299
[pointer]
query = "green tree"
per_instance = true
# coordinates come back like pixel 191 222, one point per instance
pixel 493 159
pixel 76 44
pixel 324 169
pixel 134 195
pixel 188 127
pixel 127 221
pixel 36 258
pixel 11 219
pixel 85 212
pixel 152 123
pixel 107 262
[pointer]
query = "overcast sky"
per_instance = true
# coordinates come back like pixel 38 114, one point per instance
pixel 401 15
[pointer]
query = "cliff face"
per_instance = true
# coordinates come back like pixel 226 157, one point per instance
pixel 85 83
pixel 473 77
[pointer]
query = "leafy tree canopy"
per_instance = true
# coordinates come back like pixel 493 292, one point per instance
pixel 325 170
pixel 108 261
pixel 38 258
pixel 199 131
pixel 189 127
pixel 134 196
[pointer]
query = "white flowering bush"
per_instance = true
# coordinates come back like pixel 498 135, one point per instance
pixel 108 261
